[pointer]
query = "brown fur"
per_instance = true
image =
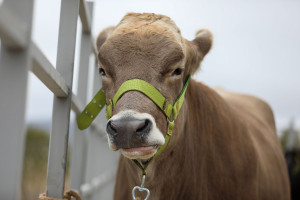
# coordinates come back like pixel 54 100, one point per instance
pixel 223 146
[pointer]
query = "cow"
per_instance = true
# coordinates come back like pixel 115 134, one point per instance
pixel 223 144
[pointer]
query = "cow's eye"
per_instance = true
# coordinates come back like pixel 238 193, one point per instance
pixel 102 72
pixel 177 72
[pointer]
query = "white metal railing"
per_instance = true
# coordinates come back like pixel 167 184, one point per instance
pixel 88 172
pixel 88 189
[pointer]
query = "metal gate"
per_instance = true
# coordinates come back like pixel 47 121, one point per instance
pixel 93 166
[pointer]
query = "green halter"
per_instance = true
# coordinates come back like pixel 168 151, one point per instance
pixel 171 111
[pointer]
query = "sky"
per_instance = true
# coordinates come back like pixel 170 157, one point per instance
pixel 256 47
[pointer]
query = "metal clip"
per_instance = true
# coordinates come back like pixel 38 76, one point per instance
pixel 141 188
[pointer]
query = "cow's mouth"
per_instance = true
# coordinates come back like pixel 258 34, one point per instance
pixel 143 152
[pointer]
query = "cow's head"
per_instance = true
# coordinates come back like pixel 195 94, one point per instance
pixel 148 47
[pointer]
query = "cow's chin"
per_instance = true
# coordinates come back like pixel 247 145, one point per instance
pixel 142 153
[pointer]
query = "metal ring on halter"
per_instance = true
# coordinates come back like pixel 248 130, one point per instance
pixel 141 188
pixel 169 121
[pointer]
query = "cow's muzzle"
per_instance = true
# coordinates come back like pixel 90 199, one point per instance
pixel 135 134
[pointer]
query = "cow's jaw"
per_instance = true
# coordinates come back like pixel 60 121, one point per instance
pixel 148 147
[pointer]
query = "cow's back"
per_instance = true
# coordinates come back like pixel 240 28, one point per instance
pixel 250 105
pixel 258 117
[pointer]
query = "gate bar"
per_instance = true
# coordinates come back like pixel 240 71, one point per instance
pixel 14 66
pixel 85 16
pixel 13 31
pixel 58 146
pixel 79 140
pixel 45 71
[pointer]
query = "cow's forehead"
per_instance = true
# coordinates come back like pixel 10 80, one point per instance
pixel 147 24
pixel 143 39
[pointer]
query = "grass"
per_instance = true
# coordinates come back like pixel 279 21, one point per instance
pixel 35 164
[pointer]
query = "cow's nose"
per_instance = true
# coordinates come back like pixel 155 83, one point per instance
pixel 133 127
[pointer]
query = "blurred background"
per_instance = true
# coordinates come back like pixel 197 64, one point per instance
pixel 256 51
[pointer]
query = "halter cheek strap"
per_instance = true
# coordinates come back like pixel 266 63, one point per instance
pixel 91 111
pixel 171 111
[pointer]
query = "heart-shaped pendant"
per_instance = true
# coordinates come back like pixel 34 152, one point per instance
pixel 141 189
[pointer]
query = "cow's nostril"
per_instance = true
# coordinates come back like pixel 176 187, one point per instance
pixel 144 128
pixel 128 127
pixel 111 129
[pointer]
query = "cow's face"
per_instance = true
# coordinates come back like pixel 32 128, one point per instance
pixel 147 47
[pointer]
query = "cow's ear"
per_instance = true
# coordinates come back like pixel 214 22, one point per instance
pixel 197 49
pixel 103 35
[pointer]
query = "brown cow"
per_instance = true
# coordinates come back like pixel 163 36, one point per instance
pixel 224 145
